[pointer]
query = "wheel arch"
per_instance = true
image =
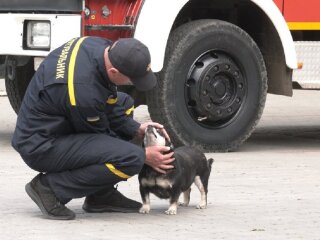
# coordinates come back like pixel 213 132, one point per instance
pixel 268 21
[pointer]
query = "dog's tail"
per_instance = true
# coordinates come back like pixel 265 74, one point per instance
pixel 210 161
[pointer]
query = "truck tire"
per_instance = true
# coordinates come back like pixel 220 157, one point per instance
pixel 1 70
pixel 2 58
pixel 17 79
pixel 212 89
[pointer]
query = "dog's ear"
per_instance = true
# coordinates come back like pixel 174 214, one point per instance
pixel 169 144
pixel 171 147
pixel 160 132
pixel 143 144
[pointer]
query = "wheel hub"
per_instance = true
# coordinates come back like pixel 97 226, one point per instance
pixel 215 88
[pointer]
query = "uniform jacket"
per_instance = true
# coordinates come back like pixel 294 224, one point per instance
pixel 70 94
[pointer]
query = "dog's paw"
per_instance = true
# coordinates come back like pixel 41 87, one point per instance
pixel 145 209
pixel 171 212
pixel 202 206
pixel 182 204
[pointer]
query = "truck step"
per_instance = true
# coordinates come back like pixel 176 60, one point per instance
pixel 308 53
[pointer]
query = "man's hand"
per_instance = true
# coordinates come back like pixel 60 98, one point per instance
pixel 158 160
pixel 143 126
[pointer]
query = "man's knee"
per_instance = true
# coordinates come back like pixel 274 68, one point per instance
pixel 132 160
pixel 137 160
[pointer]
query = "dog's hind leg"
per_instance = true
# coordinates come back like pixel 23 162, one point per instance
pixel 205 176
pixel 186 198
pixel 145 200
pixel 203 191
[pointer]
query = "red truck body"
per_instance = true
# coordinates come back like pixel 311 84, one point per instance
pixel 301 14
pixel 119 25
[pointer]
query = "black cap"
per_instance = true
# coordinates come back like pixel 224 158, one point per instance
pixel 132 58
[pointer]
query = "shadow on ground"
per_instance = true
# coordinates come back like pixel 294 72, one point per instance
pixel 283 138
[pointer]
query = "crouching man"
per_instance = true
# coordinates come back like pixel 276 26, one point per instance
pixel 74 127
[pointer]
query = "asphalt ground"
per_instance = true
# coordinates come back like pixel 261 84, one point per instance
pixel 268 189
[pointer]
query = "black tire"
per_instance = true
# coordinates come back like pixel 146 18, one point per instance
pixel 2 59
pixel 212 88
pixel 17 79
pixel 1 70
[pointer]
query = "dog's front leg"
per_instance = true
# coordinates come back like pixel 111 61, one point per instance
pixel 145 200
pixel 172 210
pixel 186 198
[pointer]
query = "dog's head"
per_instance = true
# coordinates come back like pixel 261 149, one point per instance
pixel 153 137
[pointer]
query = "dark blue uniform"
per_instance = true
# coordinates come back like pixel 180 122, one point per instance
pixel 74 125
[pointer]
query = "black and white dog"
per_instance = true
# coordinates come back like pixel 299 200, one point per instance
pixel 190 166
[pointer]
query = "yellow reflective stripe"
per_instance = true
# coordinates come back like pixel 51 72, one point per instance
pixel 304 25
pixel 71 68
pixel 112 100
pixel 116 171
pixel 130 110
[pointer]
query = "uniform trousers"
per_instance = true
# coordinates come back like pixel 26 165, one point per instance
pixel 79 165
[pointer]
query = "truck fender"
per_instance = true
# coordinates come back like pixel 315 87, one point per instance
pixel 154 25
pixel 153 28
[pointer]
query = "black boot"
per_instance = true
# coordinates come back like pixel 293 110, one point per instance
pixel 46 200
pixel 111 201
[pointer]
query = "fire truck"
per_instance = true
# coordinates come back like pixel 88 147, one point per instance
pixel 216 60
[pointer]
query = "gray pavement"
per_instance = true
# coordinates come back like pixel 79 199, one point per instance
pixel 268 189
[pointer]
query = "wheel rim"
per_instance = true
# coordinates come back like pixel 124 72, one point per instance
pixel 215 89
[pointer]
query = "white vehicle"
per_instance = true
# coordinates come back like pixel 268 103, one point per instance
pixel 216 59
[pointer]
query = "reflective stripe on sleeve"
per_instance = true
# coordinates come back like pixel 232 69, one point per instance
pixel 71 68
pixel 116 171
pixel 112 100
pixel 130 110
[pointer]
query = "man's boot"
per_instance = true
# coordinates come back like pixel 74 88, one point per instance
pixel 46 200
pixel 110 201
